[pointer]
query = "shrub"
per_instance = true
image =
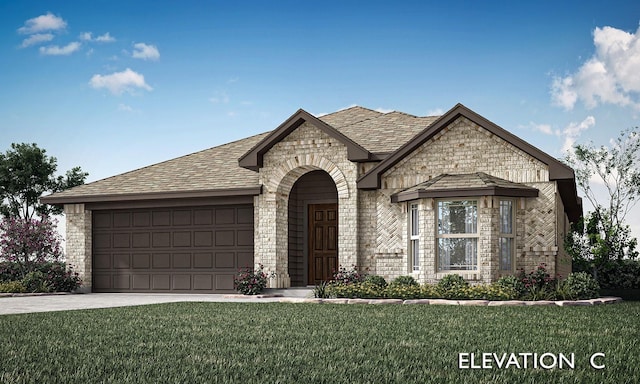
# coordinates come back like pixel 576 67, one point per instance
pixel 56 275
pixel 320 290
pixel 347 276
pixel 360 290
pixel 581 285
pixel 405 291
pixel 36 281
pixel 538 284
pixel 623 274
pixel 376 280
pixel 60 277
pixel 511 284
pixel 10 271
pixel 250 281
pixel 12 287
pixel 404 281
pixel 451 286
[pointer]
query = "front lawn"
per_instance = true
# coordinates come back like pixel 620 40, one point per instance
pixel 315 343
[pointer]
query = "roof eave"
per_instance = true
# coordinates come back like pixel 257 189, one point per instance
pixel 466 192
pixel 79 199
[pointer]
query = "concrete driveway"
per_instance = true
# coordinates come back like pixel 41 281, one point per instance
pixel 48 303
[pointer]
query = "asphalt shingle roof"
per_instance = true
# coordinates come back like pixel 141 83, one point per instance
pixel 217 168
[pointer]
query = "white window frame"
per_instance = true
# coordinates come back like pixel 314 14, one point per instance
pixel 504 235
pixel 466 235
pixel 414 236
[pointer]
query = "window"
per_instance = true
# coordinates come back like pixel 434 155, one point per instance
pixel 414 237
pixel 457 235
pixel 507 234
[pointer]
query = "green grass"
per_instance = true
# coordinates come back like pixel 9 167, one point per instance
pixel 311 343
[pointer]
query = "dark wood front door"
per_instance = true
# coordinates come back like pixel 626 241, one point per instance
pixel 323 242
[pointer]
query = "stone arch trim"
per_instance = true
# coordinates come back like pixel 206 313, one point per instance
pixel 288 172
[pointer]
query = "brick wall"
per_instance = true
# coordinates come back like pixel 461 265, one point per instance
pixel 78 242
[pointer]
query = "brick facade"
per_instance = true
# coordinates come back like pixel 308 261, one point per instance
pixel 373 231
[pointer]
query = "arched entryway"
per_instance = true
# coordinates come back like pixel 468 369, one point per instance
pixel 312 229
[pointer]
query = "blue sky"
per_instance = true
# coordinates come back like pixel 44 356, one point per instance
pixel 116 85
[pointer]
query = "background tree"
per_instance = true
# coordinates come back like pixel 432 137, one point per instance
pixel 26 173
pixel 603 235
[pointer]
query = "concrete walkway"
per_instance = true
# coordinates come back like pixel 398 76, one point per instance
pixel 48 303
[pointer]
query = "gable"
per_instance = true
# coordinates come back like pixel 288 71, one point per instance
pixel 557 171
pixel 253 159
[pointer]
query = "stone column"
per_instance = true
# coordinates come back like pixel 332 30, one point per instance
pixel 78 242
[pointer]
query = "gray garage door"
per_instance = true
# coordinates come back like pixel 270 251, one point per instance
pixel 193 249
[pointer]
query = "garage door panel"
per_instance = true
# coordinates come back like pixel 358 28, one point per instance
pixel 122 220
pixel 161 218
pixel 121 282
pixel 181 282
pixel 121 261
pixel 141 282
pixel 225 259
pixel 182 218
pixel 181 260
pixel 161 239
pixel 182 239
pixel 245 259
pixel 203 260
pixel 161 260
pixel 203 282
pixel 224 282
pixel 203 238
pixel 161 282
pixel 121 240
pixel 141 219
pixel 101 281
pixel 102 241
pixel 141 260
pixel 141 240
pixel 225 238
pixel 185 249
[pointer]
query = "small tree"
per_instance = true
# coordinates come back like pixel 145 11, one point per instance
pixel 28 242
pixel 26 173
pixel 603 236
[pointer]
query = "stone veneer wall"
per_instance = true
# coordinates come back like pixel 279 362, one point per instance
pixel 78 242
pixel 305 149
pixel 464 147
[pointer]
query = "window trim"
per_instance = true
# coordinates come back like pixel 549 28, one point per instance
pixel 470 235
pixel 504 235
pixel 414 239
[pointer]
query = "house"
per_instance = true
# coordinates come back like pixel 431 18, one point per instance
pixel 392 193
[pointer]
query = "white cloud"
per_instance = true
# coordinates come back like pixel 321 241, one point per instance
pixel 220 98
pixel 119 82
pixel 145 52
pixel 38 38
pixel 54 50
pixel 88 36
pixel 384 110
pixel 48 22
pixel 543 128
pixel 124 107
pixel 610 76
pixel 106 38
pixel 573 131
pixel 435 112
